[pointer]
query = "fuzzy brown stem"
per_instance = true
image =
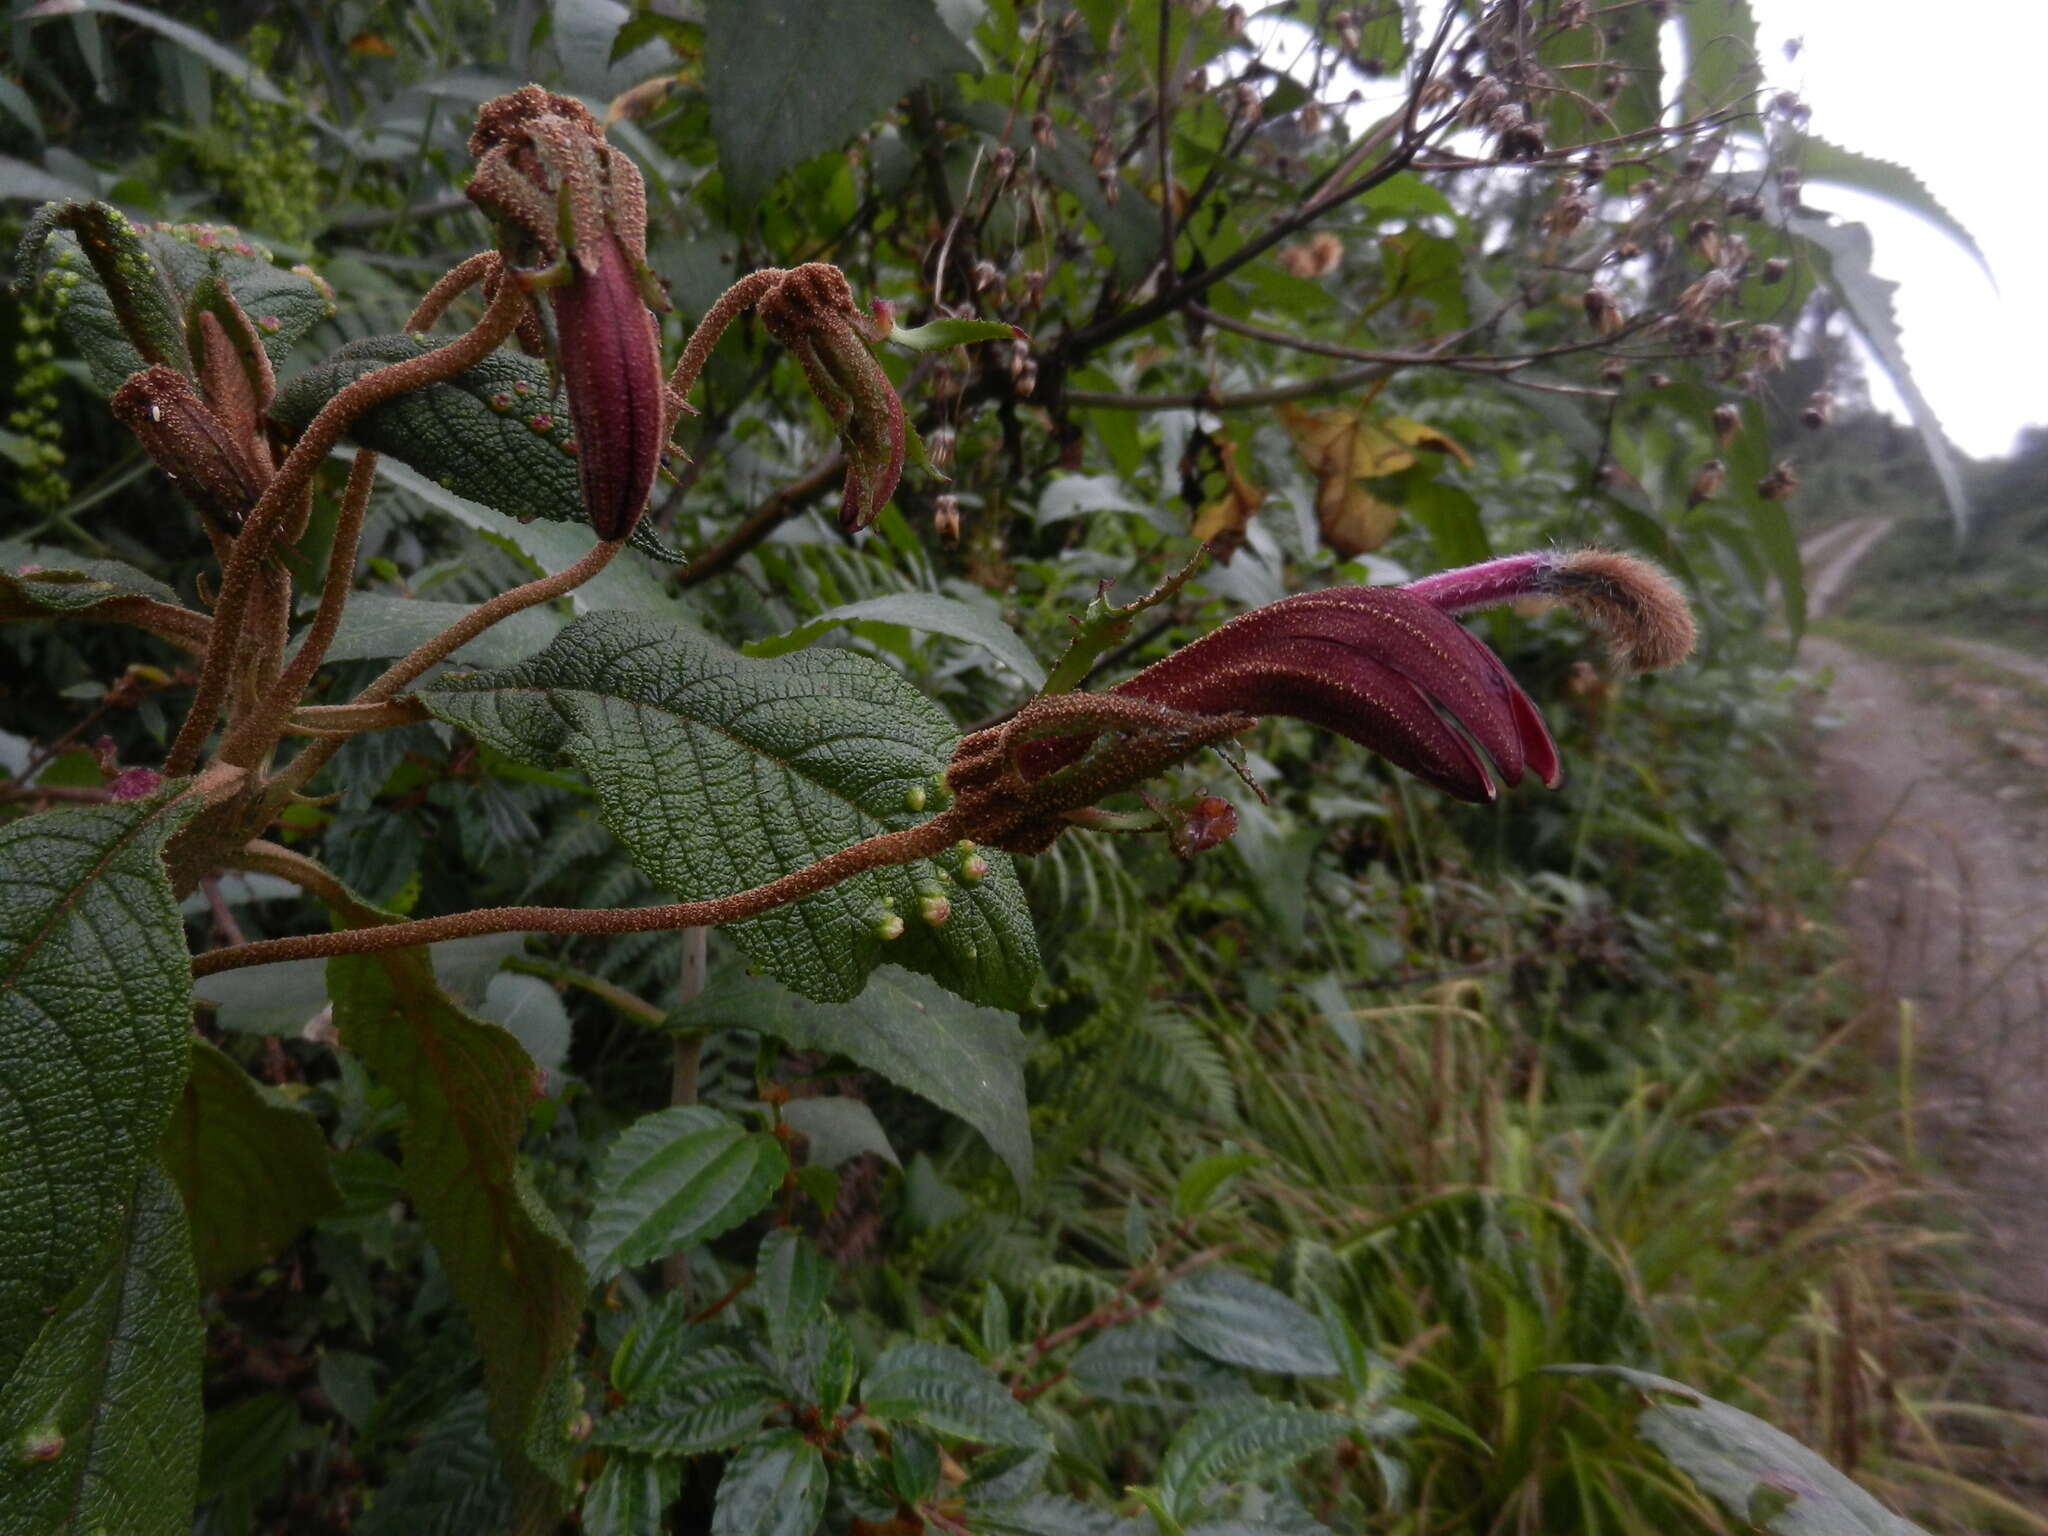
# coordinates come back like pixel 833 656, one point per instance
pixel 185 629
pixel 281 498
pixel 453 638
pixel 354 719
pixel 742 295
pixel 261 726
pixel 920 842
pixel 452 284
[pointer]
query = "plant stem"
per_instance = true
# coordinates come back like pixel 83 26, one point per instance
pixel 920 842
pixel 283 496
pixel 453 638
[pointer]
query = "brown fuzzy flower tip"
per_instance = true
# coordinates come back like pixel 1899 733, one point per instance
pixel 1380 665
pixel 1640 609
pixel 812 312
pixel 562 196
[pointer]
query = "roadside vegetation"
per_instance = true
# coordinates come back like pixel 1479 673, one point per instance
pixel 1335 1154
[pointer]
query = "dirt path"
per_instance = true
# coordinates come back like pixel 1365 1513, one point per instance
pixel 1947 902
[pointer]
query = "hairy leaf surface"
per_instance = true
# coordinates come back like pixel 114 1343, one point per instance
pixel 95 1012
pixel 721 772
pixel 101 1421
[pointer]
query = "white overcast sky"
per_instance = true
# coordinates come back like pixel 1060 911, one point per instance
pixel 1955 90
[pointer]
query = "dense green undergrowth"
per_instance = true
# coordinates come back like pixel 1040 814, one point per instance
pixel 1395 1166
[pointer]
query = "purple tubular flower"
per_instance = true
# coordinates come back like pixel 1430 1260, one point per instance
pixel 1380 665
pixel 611 365
pixel 574 208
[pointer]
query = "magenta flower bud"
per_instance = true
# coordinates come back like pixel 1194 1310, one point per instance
pixel 812 312
pixel 1379 665
pixel 570 205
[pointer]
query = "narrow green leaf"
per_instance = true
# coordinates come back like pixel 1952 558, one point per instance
pixel 1231 1317
pixel 967 1060
pixel 630 1494
pixel 775 100
pixel 253 1169
pixel 926 612
pixel 774 1487
pixel 100 1423
pixel 940 334
pixel 1245 1440
pixel 1889 182
pixel 720 773
pixel 466 1087
pixel 95 1016
pixel 791 1278
pixel 948 1390
pixel 1736 1458
pixel 677 1177
pixel 1844 251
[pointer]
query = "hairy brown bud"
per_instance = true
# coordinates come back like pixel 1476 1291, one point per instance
pixel 1780 483
pixel 1727 422
pixel 812 312
pixel 174 426
pixel 1603 313
pixel 1819 411
pixel 1775 269
pixel 1707 482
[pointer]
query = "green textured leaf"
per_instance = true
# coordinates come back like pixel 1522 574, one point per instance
pixel 1750 1466
pixel 284 304
pixel 496 433
pixel 717 1403
pixel 466 1087
pixel 791 1279
pixel 655 1347
pixel 100 1424
pixel 1244 1440
pixel 375 625
pixel 1206 1176
pixel 630 1494
pixel 253 1168
pixel 720 773
pixel 1844 252
pixel 967 1060
pixel 453 1484
pixel 1231 1317
pixel 927 612
pixel 948 1390
pixel 37 583
pixel 677 1177
pixel 940 334
pixel 775 101
pixel 774 1487
pixel 95 1013
pixel 1888 182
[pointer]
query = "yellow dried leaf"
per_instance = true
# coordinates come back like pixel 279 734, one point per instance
pixel 1343 448
pixel 1222 523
